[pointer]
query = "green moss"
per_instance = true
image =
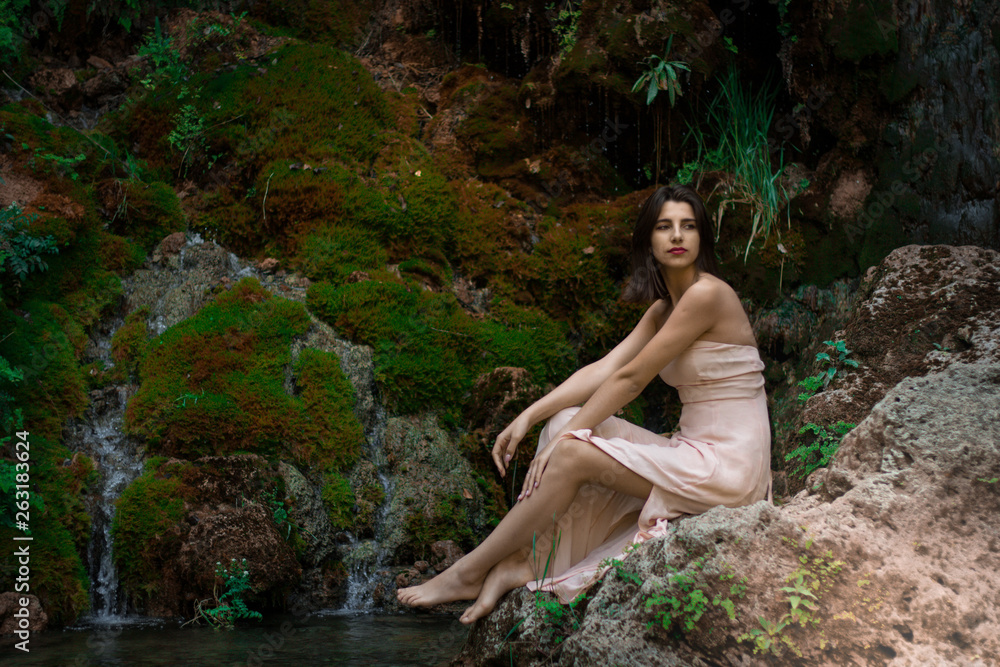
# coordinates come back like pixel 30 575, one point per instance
pixel 339 501
pixel 335 22
pixel 496 130
pixel 147 212
pixel 569 272
pixel 428 350
pixel 228 219
pixel 130 343
pixel 311 101
pixel 214 384
pixel 143 526
pixel 333 253
pixel 363 311
pixel 329 426
pixel 531 340
pixel 60 532
pixel 444 518
pixel 53 387
pixel 435 273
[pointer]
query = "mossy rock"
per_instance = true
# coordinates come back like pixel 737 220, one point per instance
pixel 428 349
pixel 60 532
pixel 145 212
pixel 336 22
pixel 143 526
pixel 215 383
pixel 339 501
pixel 333 253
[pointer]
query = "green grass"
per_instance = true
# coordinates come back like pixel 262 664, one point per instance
pixel 738 121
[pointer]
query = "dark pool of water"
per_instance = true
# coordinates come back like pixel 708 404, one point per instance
pixel 339 639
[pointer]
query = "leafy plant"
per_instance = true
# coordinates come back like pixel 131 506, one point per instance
pixel 167 66
pixel 682 603
pixel 66 164
pixel 565 24
pixel 807 585
pixel 188 134
pixel 9 479
pixel 20 252
pixel 278 512
pixel 661 74
pixel 813 383
pixel 230 606
pixel 818 453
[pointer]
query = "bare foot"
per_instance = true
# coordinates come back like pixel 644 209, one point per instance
pixel 446 587
pixel 505 576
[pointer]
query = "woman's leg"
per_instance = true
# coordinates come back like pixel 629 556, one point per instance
pixel 573 464
pixel 512 572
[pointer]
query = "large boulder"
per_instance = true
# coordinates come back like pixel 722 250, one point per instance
pixel 893 559
pixel 921 309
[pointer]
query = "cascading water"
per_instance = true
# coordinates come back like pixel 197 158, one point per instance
pixel 366 557
pixel 118 462
pixel 100 436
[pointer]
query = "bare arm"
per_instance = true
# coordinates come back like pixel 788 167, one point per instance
pixel 580 386
pixel 695 313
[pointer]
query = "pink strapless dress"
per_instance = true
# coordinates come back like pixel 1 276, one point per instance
pixel 720 455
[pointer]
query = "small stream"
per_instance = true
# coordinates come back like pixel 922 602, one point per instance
pixel 335 639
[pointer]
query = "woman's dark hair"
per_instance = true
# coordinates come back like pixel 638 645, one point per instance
pixel 646 284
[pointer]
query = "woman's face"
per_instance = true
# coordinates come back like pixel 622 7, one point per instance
pixel 675 229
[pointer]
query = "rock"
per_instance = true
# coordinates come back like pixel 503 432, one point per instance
pixel 268 265
pixel 922 309
pixel 99 63
pixel 10 610
pixel 177 291
pixel 356 361
pixel 421 566
pixel 404 579
pixel 224 517
pixel 53 82
pixel 169 246
pixel 446 553
pixel 499 396
pixel 427 504
pixel 225 533
pixel 898 543
pixel 309 513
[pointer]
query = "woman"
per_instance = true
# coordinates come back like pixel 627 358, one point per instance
pixel 596 476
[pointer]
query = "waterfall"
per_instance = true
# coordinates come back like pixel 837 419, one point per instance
pixel 100 436
pixel 118 462
pixel 366 557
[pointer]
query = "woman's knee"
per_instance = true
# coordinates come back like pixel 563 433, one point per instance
pixel 565 460
pixel 556 424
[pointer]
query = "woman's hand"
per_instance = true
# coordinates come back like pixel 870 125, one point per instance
pixel 507 442
pixel 534 476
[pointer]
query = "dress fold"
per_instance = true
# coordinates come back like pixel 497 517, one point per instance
pixel 720 455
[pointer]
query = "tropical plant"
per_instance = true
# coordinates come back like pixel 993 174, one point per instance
pixel 661 74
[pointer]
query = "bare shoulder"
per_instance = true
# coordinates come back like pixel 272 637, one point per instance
pixel 710 289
